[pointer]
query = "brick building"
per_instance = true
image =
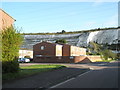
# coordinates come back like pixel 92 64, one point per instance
pixel 47 49
pixel 51 52
pixel 68 50
pixel 5 20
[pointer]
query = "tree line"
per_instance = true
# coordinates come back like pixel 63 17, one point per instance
pixel 71 32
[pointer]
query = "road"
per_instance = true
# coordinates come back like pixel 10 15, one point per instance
pixel 105 76
pixel 101 75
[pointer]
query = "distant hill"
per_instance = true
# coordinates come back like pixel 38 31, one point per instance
pixel 110 36
pixel 71 32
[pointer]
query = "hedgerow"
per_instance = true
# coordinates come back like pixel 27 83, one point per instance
pixel 11 41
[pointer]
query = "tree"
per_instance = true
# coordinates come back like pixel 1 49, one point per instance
pixel 112 55
pixel 98 28
pixel 63 31
pixel 103 50
pixel 62 41
pixel 95 47
pixel 11 41
pixel 105 54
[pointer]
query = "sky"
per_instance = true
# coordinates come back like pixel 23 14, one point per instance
pixel 39 17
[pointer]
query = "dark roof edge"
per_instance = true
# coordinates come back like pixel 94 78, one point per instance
pixel 8 14
pixel 56 44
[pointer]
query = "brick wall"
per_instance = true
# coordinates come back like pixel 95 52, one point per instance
pixel 54 59
pixel 81 59
pixel 69 50
pixel 94 58
pixel 5 20
pixel 49 49
pixel 77 51
pixel 66 50
pixel 66 59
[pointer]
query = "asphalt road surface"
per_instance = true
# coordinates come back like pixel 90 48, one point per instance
pixel 104 77
pixel 101 75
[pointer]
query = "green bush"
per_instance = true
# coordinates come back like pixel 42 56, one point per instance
pixel 10 66
pixel 105 54
pixel 112 55
pixel 11 41
pixel 62 41
pixel 101 50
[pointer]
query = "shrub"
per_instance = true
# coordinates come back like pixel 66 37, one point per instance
pixel 101 50
pixel 62 41
pixel 11 41
pixel 105 54
pixel 112 55
pixel 10 66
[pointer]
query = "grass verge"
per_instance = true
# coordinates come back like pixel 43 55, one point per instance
pixel 28 71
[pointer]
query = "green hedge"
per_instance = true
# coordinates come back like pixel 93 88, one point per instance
pixel 11 41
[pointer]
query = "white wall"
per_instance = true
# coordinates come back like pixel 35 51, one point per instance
pixel 23 53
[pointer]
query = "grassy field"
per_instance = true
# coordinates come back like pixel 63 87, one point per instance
pixel 29 70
